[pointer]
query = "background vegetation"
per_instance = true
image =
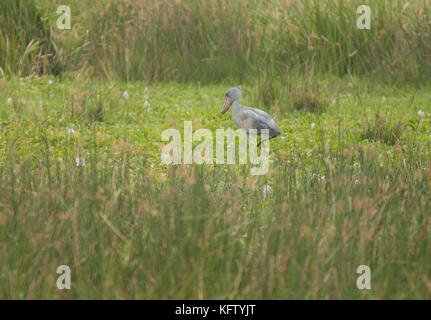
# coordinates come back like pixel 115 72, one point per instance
pixel 209 41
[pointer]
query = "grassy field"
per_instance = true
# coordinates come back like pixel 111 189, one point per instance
pixel 347 189
pixel 82 183
pixel 210 41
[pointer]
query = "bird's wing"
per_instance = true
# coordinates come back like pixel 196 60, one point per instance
pixel 258 112
pixel 261 120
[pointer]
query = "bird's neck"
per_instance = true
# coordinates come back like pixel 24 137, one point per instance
pixel 236 107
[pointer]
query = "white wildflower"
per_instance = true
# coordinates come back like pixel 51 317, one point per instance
pixel 316 176
pixel 266 190
pixel 80 162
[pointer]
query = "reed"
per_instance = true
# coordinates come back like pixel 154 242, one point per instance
pixel 211 41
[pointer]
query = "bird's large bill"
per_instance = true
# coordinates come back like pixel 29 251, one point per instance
pixel 226 105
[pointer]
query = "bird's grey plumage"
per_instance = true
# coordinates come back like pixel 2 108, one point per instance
pixel 249 118
pixel 260 120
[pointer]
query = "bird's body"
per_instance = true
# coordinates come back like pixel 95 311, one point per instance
pixel 249 118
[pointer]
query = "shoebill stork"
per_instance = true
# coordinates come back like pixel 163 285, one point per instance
pixel 248 118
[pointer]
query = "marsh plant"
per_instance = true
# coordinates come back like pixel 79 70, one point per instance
pixel 214 40
pixel 95 196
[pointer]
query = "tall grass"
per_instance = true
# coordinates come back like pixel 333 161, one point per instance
pixel 213 40
pixel 25 40
pixel 201 233
pixel 383 130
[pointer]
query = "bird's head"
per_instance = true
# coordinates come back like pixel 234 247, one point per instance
pixel 231 95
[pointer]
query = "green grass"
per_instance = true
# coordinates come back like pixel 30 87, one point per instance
pixel 26 44
pixel 211 41
pixel 131 227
